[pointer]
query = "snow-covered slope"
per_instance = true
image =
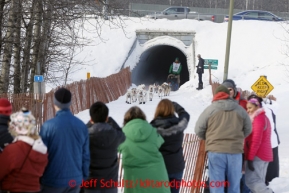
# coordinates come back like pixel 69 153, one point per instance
pixel 257 48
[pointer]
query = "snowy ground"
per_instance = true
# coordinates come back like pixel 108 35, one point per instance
pixel 258 48
pixel 194 102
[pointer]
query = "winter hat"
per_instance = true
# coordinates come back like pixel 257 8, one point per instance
pixel 5 107
pixel 254 101
pixel 22 123
pixel 222 88
pixel 177 59
pixel 231 84
pixel 254 96
pixel 62 98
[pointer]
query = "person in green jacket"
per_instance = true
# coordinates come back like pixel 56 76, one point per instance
pixel 176 69
pixel 143 164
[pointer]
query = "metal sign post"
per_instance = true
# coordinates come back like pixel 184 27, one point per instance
pixel 211 63
pixel 228 43
pixel 39 87
pixel 39 91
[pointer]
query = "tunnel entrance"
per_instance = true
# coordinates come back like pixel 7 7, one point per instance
pixel 154 65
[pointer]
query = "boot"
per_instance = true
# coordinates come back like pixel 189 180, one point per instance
pixel 200 86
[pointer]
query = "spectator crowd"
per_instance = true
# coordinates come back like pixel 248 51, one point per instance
pixel 69 156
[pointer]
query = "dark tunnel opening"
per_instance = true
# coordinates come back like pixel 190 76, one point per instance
pixel 154 65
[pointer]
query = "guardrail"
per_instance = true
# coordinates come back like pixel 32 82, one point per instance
pixel 149 14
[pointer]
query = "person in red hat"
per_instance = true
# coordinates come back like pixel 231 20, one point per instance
pixel 5 112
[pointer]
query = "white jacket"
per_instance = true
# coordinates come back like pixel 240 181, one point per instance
pixel 271 108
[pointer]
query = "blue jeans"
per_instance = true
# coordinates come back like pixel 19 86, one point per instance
pixel 221 164
pixel 178 178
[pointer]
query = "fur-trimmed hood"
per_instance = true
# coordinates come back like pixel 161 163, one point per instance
pixel 170 125
pixel 104 135
pixel 256 113
pixel 172 130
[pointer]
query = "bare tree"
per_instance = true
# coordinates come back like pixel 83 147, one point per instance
pixel 247 3
pixel 37 40
pixel 28 39
pixel 46 32
pixel 2 4
pixel 28 20
pixel 7 53
pixel 17 49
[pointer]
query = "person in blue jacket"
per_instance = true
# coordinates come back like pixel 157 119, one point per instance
pixel 67 140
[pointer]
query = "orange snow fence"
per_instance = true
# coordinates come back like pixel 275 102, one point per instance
pixel 195 160
pixel 86 92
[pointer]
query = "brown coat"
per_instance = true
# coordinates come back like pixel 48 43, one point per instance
pixel 224 125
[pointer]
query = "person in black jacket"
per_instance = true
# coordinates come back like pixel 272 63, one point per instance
pixel 200 71
pixel 171 128
pixel 5 112
pixel 104 138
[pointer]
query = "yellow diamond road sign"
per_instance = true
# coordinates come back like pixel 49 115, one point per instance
pixel 262 87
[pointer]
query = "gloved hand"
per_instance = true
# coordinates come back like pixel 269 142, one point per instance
pixel 250 165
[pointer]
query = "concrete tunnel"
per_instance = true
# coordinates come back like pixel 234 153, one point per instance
pixel 154 65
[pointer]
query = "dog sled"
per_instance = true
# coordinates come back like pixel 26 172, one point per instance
pixel 173 81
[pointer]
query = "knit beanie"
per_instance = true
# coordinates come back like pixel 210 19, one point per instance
pixel 222 88
pixel 5 107
pixel 62 98
pixel 22 123
pixel 255 102
pixel 231 84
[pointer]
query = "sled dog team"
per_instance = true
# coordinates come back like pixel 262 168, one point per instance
pixel 140 93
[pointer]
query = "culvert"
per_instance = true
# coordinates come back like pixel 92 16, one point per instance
pixel 154 63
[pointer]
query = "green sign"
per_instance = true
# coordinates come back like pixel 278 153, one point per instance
pixel 211 61
pixel 212 67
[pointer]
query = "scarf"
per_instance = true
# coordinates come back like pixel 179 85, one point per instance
pixel 220 96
